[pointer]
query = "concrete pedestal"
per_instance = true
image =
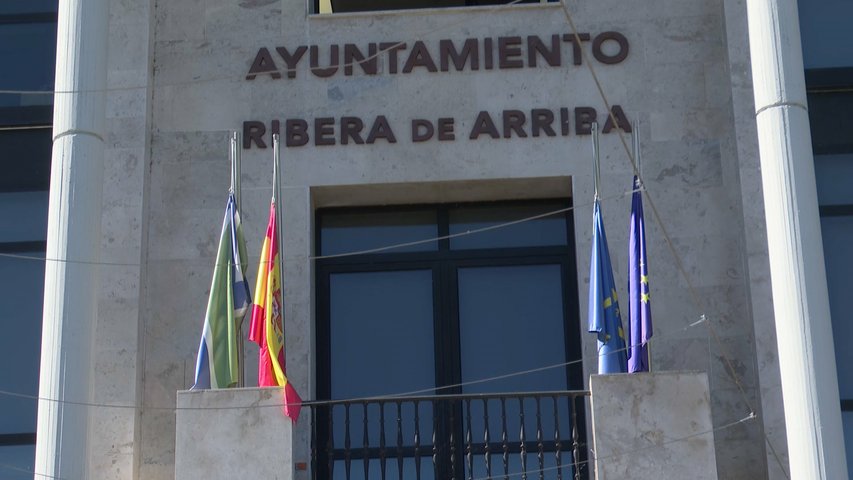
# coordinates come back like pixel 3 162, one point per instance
pixel 233 433
pixel 652 425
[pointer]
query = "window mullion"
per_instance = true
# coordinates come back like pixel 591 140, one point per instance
pixel 446 328
pixel 451 286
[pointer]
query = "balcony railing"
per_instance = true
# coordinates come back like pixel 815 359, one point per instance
pixel 537 435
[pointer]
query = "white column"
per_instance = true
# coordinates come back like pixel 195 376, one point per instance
pixel 73 234
pixel 800 299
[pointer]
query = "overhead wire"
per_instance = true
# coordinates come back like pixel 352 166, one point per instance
pixel 528 472
pixel 388 396
pixel 392 46
pixel 28 471
pixel 25 127
pixel 669 242
pixel 337 255
pixel 679 264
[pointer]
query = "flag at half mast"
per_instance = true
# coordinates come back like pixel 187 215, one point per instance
pixel 604 317
pixel 267 328
pixel 639 311
pixel 218 363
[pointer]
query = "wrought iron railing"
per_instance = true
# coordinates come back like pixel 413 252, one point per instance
pixel 536 435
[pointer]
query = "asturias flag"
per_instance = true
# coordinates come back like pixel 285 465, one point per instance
pixel 267 328
pixel 604 317
pixel 218 365
pixel 639 313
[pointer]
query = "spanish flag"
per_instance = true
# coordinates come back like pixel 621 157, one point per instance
pixel 267 328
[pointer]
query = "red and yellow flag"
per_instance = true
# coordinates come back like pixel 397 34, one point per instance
pixel 267 328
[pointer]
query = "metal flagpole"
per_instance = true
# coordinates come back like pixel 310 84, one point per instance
pixel 636 152
pixel 276 178
pixel 232 186
pixel 275 159
pixel 238 183
pixel 235 190
pixel 596 163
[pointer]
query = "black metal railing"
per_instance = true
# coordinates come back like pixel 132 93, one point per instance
pixel 535 435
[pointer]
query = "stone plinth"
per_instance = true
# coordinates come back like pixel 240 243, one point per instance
pixel 652 425
pixel 234 433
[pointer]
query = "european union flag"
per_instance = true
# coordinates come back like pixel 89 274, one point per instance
pixel 639 312
pixel 604 317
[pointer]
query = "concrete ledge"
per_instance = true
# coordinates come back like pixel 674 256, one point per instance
pixel 233 433
pixel 652 425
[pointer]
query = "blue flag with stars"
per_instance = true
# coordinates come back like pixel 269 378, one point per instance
pixel 604 317
pixel 639 312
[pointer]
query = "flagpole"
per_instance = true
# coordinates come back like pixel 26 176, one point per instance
pixel 235 189
pixel 276 178
pixel 596 162
pixel 232 162
pixel 238 167
pixel 636 151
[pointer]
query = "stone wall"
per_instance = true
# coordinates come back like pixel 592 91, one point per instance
pixel 683 79
pixel 119 350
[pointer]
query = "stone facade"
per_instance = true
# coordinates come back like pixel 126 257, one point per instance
pixel 640 432
pixel 178 68
pixel 230 420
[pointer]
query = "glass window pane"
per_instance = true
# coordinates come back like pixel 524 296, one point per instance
pixel 510 320
pixel 837 238
pixel 36 117
pixel 27 6
pixel 25 160
pixel 381 343
pixel 388 309
pixel 17 462
pixel 550 230
pixel 833 174
pixel 824 26
pixel 31 48
pixel 341 6
pixel 847 424
pixel 351 232
pixel 391 309
pixel 24 216
pixel 22 284
pixel 831 121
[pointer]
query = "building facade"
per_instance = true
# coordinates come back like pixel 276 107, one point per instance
pixel 418 128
